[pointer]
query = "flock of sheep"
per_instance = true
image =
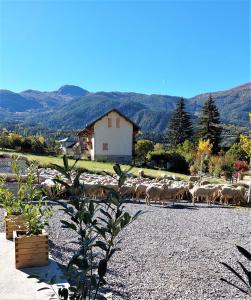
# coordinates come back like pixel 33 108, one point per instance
pixel 162 190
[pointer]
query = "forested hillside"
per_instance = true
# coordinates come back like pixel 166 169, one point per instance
pixel 72 107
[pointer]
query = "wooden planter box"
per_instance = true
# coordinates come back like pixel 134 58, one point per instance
pixel 31 251
pixel 12 223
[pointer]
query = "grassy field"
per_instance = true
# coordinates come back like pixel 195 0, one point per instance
pixel 91 165
pixel 96 166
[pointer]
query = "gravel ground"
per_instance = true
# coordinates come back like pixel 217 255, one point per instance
pixel 171 252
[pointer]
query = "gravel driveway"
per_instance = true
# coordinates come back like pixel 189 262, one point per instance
pixel 171 252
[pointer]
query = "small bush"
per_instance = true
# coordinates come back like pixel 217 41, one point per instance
pixel 172 161
pixel 188 151
pixel 141 149
pixel 237 153
pixel 221 165
pixel 240 166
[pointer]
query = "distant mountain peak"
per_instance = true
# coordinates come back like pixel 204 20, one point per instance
pixel 246 86
pixel 70 106
pixel 72 90
pixel 31 92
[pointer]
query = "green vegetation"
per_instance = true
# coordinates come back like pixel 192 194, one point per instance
pixel 141 149
pixel 97 226
pixel 245 279
pixel 170 160
pixel 180 126
pixel 151 112
pixel 13 204
pixel 92 166
pixel 28 201
pixel 30 143
pixel 209 124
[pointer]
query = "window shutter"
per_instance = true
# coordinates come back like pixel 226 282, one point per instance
pixel 117 122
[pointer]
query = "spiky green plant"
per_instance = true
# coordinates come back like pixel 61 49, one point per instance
pixel 245 278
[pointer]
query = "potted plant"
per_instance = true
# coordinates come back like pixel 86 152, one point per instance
pixel 14 202
pixel 13 208
pixel 13 212
pixel 31 244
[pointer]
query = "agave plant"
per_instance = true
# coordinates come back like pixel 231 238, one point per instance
pixel 245 279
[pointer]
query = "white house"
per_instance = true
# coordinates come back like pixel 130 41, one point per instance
pixel 67 146
pixel 111 137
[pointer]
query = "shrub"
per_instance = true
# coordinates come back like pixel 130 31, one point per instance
pixel 237 153
pixel 194 169
pixel 187 150
pixel 171 161
pixel 141 149
pixel 36 215
pixel 240 166
pixel 159 158
pixel 221 165
pixel 32 144
pixel 28 201
pixel 227 169
pixel 177 163
pixel 159 147
pixel 14 204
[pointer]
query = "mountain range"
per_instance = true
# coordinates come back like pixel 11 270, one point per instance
pixel 71 107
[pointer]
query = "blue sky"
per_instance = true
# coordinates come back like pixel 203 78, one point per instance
pixel 156 47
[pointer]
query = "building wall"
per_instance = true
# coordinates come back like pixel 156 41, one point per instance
pixel 119 140
pixel 93 149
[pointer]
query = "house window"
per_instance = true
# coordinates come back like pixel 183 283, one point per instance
pixel 105 147
pixel 117 122
pixel 109 122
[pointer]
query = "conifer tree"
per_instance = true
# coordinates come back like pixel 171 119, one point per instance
pixel 180 126
pixel 209 124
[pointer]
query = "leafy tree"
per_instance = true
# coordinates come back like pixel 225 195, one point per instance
pixel 141 149
pixel 15 140
pixel 204 150
pixel 204 147
pixel 180 126
pixel 209 124
pixel 245 143
pixel 187 149
pixel 237 152
pixel 159 147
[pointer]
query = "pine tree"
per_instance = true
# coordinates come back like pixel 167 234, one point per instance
pixel 180 126
pixel 209 124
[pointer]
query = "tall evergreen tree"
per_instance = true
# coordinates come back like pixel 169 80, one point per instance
pixel 209 124
pixel 180 126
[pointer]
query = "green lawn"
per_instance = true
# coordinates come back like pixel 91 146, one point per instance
pixel 96 166
pixel 91 165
